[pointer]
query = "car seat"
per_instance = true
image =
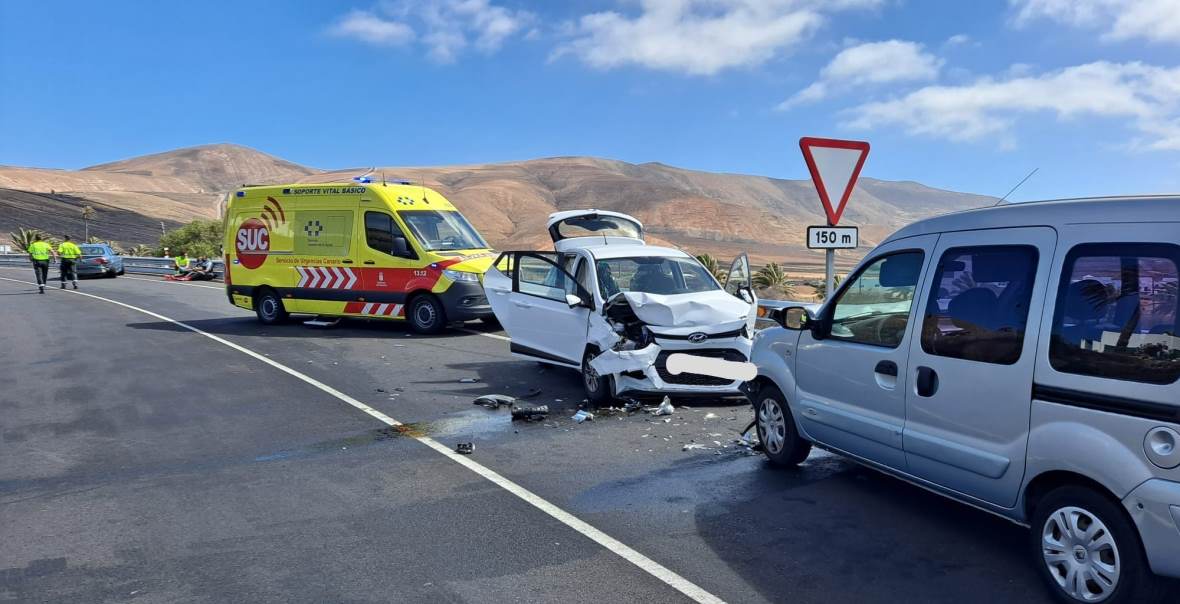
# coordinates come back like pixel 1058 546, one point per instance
pixel 1085 303
pixel 652 279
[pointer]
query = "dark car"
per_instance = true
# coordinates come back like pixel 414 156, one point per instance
pixel 99 260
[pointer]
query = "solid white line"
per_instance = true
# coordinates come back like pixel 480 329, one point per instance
pixel 653 568
pixel 173 282
pixel 483 333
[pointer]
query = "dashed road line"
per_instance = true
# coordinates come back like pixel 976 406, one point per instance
pixel 651 567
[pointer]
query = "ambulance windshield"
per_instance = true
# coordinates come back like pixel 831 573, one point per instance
pixel 442 231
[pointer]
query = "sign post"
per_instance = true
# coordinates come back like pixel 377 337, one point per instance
pixel 834 166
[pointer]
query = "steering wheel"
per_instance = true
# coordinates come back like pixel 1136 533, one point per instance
pixel 898 324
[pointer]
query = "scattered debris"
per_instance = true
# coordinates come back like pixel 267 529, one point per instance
pixel 495 401
pixel 400 389
pixel 583 416
pixel 530 414
pixel 465 448
pixel 710 416
pixel 631 406
pixel 693 447
pixel 380 390
pixel 322 322
pixel 468 380
pixel 397 346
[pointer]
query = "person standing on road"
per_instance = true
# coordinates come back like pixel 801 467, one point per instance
pixel 69 253
pixel 39 253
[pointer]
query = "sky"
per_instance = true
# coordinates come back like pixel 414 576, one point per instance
pixel 962 95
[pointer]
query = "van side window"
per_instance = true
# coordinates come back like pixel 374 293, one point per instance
pixel 978 305
pixel 380 230
pixel 1115 315
pixel 874 308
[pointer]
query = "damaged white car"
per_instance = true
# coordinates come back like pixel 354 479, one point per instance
pixel 637 320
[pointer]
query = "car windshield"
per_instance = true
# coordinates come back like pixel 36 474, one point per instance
pixel 93 250
pixel 653 275
pixel 441 231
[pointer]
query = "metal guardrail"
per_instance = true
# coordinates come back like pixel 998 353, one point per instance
pixel 144 265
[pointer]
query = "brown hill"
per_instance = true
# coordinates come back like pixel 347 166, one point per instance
pixel 721 214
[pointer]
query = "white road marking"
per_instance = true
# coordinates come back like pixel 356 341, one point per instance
pixel 483 333
pixel 173 282
pixel 653 568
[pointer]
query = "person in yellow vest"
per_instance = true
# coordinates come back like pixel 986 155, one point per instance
pixel 39 253
pixel 69 253
pixel 181 262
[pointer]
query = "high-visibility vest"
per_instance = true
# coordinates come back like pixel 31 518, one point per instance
pixel 39 250
pixel 181 262
pixel 68 251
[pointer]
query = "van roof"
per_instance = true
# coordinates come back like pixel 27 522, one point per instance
pixel 1053 212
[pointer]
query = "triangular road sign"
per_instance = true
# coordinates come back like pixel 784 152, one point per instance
pixel 834 165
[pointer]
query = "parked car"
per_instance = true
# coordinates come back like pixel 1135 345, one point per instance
pixel 619 310
pixel 1022 359
pixel 99 260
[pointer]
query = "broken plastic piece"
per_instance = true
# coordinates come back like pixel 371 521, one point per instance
pixel 530 414
pixel 619 361
pixel 495 401
pixel 322 322
pixel 693 447
pixel 583 416
pixel 665 408
pixel 469 380
pixel 465 448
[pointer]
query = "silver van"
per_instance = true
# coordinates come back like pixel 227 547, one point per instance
pixel 1022 359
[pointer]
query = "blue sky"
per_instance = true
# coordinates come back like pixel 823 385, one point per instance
pixel 964 95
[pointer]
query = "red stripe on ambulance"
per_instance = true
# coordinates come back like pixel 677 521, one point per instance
pixel 326 277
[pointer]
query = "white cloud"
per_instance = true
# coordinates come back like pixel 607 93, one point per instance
pixel 958 40
pixel 370 28
pixel 1144 97
pixel 867 64
pixel 698 37
pixel 1154 20
pixel 445 27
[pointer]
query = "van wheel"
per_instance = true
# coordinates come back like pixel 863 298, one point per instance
pixel 776 429
pixel 426 314
pixel 270 308
pixel 1087 550
pixel 600 389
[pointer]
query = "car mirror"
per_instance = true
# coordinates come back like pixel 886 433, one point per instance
pixel 745 294
pixel 796 318
pixel 573 301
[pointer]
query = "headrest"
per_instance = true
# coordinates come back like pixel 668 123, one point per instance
pixel 901 270
pixel 1086 300
pixel 975 307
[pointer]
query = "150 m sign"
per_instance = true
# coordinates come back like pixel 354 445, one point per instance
pixel 832 238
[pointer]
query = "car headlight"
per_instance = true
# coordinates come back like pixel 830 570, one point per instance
pixel 461 276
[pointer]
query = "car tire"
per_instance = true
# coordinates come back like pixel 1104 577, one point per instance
pixel 426 315
pixel 776 428
pixel 269 308
pixel 1076 529
pixel 600 389
pixel 120 273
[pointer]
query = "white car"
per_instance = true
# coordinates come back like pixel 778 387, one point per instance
pixel 619 310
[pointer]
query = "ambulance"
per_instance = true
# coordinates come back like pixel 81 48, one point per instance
pixel 394 251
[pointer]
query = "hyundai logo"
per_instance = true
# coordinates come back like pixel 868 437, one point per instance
pixel 698 337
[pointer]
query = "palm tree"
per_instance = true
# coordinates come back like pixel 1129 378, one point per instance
pixel 88 214
pixel 821 287
pixel 710 263
pixel 139 250
pixel 772 277
pixel 23 237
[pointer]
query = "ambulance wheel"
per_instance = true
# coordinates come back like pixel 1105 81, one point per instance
pixel 426 314
pixel 600 389
pixel 270 308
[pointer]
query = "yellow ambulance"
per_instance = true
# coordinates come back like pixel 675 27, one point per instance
pixel 394 251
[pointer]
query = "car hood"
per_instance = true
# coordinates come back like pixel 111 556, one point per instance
pixel 682 310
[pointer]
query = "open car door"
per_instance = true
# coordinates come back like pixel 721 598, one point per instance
pixel 540 305
pixel 739 282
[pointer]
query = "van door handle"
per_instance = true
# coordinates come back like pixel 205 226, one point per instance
pixel 346 261
pixel 370 262
pixel 927 383
pixel 523 304
pixel 886 368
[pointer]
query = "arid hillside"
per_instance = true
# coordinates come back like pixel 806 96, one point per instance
pixel 721 214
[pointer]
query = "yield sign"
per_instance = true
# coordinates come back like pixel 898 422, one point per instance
pixel 834 165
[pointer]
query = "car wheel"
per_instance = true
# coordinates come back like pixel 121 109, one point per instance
pixel 426 315
pixel 776 428
pixel 120 273
pixel 1088 551
pixel 270 308
pixel 600 389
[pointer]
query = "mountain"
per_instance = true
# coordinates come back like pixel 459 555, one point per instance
pixel 703 212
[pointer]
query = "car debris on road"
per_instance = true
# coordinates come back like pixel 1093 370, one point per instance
pixel 465 448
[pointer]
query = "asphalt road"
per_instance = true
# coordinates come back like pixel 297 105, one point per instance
pixel 143 462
